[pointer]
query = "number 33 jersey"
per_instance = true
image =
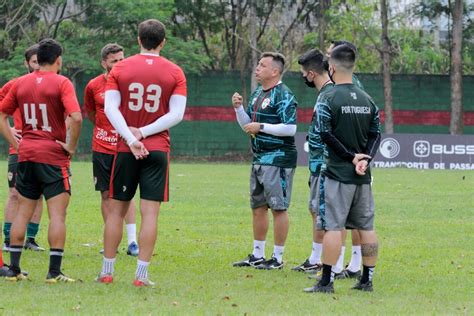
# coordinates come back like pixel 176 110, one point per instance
pixel 146 83
pixel 44 99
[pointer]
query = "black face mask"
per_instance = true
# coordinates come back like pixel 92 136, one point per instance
pixel 309 83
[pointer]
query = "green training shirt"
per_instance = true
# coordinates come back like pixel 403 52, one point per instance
pixel 274 106
pixel 350 115
pixel 317 151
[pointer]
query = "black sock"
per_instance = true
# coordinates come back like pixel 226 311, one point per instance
pixel 326 277
pixel 15 255
pixel 55 259
pixel 367 274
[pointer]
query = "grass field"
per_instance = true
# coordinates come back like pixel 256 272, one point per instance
pixel 425 222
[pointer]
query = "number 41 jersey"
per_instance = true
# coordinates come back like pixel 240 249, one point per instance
pixel 45 99
pixel 146 83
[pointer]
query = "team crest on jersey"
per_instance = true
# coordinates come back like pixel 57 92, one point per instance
pixel 10 176
pixel 38 80
pixel 102 95
pixel 149 61
pixel 265 103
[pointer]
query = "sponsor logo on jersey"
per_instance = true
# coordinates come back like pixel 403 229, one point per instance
pixel 265 103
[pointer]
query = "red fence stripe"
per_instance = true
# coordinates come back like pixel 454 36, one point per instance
pixel 400 117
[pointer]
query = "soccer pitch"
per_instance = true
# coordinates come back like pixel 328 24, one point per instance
pixel 424 220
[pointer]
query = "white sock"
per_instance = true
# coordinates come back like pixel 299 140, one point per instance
pixel 316 253
pixel 131 233
pixel 356 259
pixel 278 252
pixel 142 269
pixel 259 248
pixel 108 266
pixel 340 262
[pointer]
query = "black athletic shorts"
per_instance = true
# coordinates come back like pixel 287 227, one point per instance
pixel 101 170
pixel 34 179
pixel 12 166
pixel 151 173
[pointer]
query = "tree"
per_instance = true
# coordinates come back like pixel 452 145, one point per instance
pixel 456 125
pixel 385 53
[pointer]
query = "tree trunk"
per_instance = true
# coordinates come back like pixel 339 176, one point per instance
pixel 321 15
pixel 253 42
pixel 456 126
pixel 387 80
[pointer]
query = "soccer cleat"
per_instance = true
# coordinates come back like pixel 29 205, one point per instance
pixel 366 287
pixel 250 261
pixel 271 264
pixel 32 245
pixel 105 278
pixel 318 288
pixel 307 267
pixel 6 246
pixel 13 276
pixel 3 271
pixel 143 282
pixel 133 249
pixel 348 274
pixel 58 279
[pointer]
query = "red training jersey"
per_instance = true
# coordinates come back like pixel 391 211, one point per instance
pixel 16 115
pixel 44 100
pixel 104 137
pixel 146 82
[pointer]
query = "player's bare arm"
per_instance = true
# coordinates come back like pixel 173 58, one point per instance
pixel 75 130
pixel 7 131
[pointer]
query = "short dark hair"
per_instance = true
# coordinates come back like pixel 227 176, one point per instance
pixel 277 58
pixel 343 42
pixel 343 56
pixel 111 48
pixel 151 33
pixel 312 60
pixel 48 51
pixel 30 51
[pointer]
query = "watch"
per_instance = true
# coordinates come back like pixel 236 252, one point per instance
pixel 261 127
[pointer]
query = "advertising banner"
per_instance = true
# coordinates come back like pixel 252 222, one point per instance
pixel 416 151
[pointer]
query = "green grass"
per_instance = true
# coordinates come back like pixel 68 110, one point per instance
pixel 424 220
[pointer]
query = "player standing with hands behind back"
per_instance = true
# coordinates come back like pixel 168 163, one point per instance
pixel 145 96
pixel 350 128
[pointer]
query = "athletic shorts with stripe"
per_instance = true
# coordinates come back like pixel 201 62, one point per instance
pixel 34 179
pixel 12 167
pixel 150 173
pixel 271 186
pixel 101 170
pixel 344 205
pixel 313 203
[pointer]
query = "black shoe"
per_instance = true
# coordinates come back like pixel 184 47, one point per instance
pixel 307 267
pixel 271 264
pixel 318 288
pixel 32 245
pixel 250 261
pixel 337 276
pixel 3 271
pixel 14 276
pixel 348 274
pixel 366 287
